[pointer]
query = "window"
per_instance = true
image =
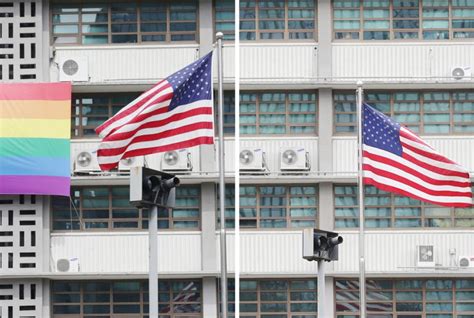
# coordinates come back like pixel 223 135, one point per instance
pixel 403 19
pixel 430 298
pixel 438 112
pixel 281 298
pixel 387 210
pixel 91 110
pixel 277 20
pixel 124 22
pixel 108 208
pixel 278 113
pixel 127 298
pixel 228 112
pixel 274 206
pixel 224 12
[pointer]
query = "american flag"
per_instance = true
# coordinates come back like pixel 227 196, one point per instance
pixel 397 160
pixel 176 113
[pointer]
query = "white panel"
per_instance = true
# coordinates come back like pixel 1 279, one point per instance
pixel 274 62
pixel 125 63
pixel 395 251
pixel 128 252
pixel 271 147
pixel 153 161
pixel 399 60
pixel 344 152
pixel 453 147
pixel 270 252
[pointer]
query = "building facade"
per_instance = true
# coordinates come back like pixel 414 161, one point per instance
pixel 87 255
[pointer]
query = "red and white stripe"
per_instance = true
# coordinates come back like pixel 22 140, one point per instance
pixel 146 126
pixel 420 173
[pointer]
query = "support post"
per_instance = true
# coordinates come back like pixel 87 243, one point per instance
pixel 321 289
pixel 153 262
pixel 220 77
pixel 360 142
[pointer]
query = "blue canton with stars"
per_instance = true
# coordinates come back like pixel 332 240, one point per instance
pixel 192 83
pixel 380 131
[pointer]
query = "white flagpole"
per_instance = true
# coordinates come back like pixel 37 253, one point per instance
pixel 153 262
pixel 220 78
pixel 361 202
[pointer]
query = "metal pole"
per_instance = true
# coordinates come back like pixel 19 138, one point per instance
pixel 321 289
pixel 153 262
pixel 361 203
pixel 219 37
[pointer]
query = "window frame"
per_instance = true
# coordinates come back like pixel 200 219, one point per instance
pixel 392 30
pixel 422 206
pixel 355 292
pixel 79 41
pixel 287 207
pixel 77 215
pixel 422 123
pixel 142 303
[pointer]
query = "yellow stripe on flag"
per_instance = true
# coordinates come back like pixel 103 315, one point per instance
pixel 47 109
pixel 35 128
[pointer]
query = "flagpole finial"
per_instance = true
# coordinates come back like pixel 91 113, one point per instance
pixel 359 83
pixel 219 35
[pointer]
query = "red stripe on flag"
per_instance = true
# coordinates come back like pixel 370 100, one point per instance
pixel 384 187
pixel 151 137
pixel 36 91
pixel 427 154
pixel 147 151
pixel 392 176
pixel 436 169
pixel 133 108
pixel 159 123
pixel 413 172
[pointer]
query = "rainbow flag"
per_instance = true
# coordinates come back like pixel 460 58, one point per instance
pixel 35 130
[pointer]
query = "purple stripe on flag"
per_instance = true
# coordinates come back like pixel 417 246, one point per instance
pixel 46 185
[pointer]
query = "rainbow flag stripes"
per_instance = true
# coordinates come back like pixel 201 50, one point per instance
pixel 35 129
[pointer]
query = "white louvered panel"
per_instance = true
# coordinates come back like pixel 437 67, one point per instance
pixel 278 62
pixel 271 147
pixel 344 154
pixel 153 161
pixel 119 63
pixel 272 252
pixel 400 60
pixel 396 251
pixel 228 55
pixel 454 148
pixel 128 252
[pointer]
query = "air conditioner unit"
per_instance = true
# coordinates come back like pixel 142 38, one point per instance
pixel 86 161
pixel 466 261
pixel 252 160
pixel 294 159
pixel 126 164
pixel 68 265
pixel 74 69
pixel 425 256
pixel 176 160
pixel 461 73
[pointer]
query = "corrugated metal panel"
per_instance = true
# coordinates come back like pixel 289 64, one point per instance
pixel 152 161
pixel 127 252
pixel 345 151
pixel 272 148
pixel 120 63
pixel 276 62
pixel 396 251
pixel 399 60
pixel 271 252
